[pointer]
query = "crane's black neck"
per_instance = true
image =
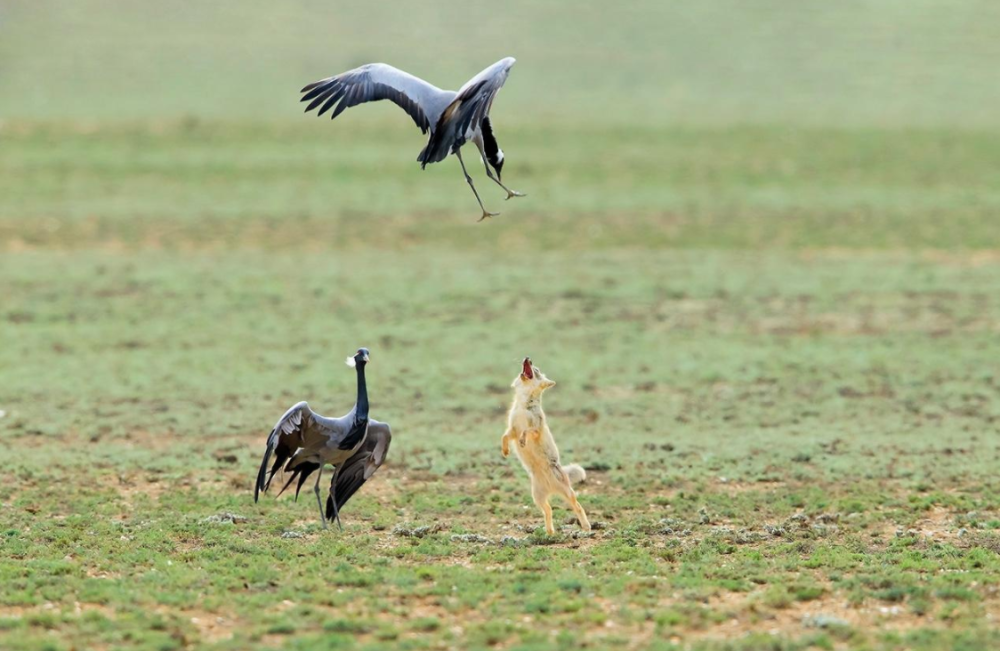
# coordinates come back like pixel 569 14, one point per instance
pixel 490 143
pixel 361 407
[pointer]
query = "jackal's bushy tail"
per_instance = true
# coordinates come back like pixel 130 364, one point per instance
pixel 575 472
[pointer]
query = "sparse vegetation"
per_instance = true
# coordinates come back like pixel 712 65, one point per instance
pixel 776 349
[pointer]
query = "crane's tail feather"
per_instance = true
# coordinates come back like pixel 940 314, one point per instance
pixel 302 471
pixel 424 156
pixel 288 483
pixel 436 150
pixel 575 473
pixel 307 469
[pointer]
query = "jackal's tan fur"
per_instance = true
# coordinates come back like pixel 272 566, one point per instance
pixel 528 432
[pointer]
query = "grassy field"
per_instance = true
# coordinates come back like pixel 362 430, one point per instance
pixel 772 306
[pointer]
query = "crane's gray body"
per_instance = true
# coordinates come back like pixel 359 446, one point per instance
pixel 303 442
pixel 318 439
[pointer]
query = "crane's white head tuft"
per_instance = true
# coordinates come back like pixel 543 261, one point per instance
pixel 360 357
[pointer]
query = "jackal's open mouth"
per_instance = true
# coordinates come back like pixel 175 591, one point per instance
pixel 526 369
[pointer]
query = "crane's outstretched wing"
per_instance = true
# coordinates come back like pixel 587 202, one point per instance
pixel 299 429
pixel 361 466
pixel 466 112
pixel 370 83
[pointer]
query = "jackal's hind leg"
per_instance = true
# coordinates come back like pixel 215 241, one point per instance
pixel 570 496
pixel 542 501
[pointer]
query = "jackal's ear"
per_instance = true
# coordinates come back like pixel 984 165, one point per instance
pixel 547 383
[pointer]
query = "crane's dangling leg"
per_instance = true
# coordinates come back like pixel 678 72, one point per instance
pixel 322 515
pixel 489 173
pixel 333 496
pixel 468 178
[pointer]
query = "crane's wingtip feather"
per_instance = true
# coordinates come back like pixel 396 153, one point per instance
pixel 262 474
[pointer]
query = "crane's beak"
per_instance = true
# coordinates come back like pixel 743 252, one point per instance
pixel 353 361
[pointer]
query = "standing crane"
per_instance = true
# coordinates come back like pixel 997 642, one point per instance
pixel 303 442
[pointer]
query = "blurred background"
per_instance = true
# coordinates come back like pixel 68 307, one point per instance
pixel 660 123
pixel 777 178
pixel 699 176
pixel 855 63
pixel 671 112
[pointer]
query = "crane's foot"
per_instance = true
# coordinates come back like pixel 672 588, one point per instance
pixel 514 193
pixel 488 214
pixel 325 525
